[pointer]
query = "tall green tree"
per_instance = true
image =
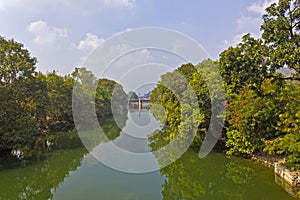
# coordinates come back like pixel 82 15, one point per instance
pixel 245 64
pixel 60 97
pixel 289 125
pixel 20 109
pixel 253 118
pixel 175 93
pixel 281 32
pixel 265 116
pixel 110 97
pixel 90 94
pixel 83 98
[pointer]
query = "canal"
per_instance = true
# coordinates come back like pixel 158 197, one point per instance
pixel 66 170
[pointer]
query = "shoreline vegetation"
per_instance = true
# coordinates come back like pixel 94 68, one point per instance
pixel 261 77
pixel 262 119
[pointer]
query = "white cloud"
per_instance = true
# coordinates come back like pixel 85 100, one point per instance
pixel 124 31
pixel 44 34
pixel 90 42
pixel 235 41
pixel 120 3
pixel 260 7
pixel 251 21
pixel 246 21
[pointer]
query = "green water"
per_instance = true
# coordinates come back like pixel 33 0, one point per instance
pixel 68 171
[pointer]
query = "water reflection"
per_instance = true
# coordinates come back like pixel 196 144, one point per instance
pixel 130 151
pixel 71 173
pixel 218 177
pixel 94 180
pixel 37 180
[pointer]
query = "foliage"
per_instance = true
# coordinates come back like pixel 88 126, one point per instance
pixel 289 125
pixel 33 103
pixel 243 65
pixel 290 120
pixel 16 63
pixel 253 118
pixel 262 106
pixel 21 109
pixel 281 32
pixel 289 145
pixel 239 143
pixel 176 92
pixel 110 97
pixel 60 96
pixel 17 127
pixel 169 95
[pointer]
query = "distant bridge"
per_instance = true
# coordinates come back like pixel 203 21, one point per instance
pixel 138 102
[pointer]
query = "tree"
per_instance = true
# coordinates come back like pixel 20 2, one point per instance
pixel 60 97
pixel 38 102
pixel 83 99
pixel 57 95
pixel 175 93
pixel 90 94
pixel 253 118
pixel 262 106
pixel 17 127
pixel 281 32
pixel 110 97
pixel 289 125
pixel 244 64
pixel 20 109
pixel 15 62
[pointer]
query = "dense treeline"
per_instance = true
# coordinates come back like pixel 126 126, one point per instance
pixel 34 104
pixel 263 105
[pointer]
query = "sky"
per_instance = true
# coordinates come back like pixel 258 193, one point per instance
pixel 62 33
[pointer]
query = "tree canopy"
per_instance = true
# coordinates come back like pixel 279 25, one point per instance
pixel 34 104
pixel 262 103
pixel 281 32
pixel 263 107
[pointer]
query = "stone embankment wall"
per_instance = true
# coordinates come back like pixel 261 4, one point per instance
pixel 291 177
pixel 286 178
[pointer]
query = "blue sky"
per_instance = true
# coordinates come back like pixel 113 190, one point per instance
pixel 60 33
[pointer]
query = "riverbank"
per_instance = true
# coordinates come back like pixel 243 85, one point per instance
pixel 287 178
